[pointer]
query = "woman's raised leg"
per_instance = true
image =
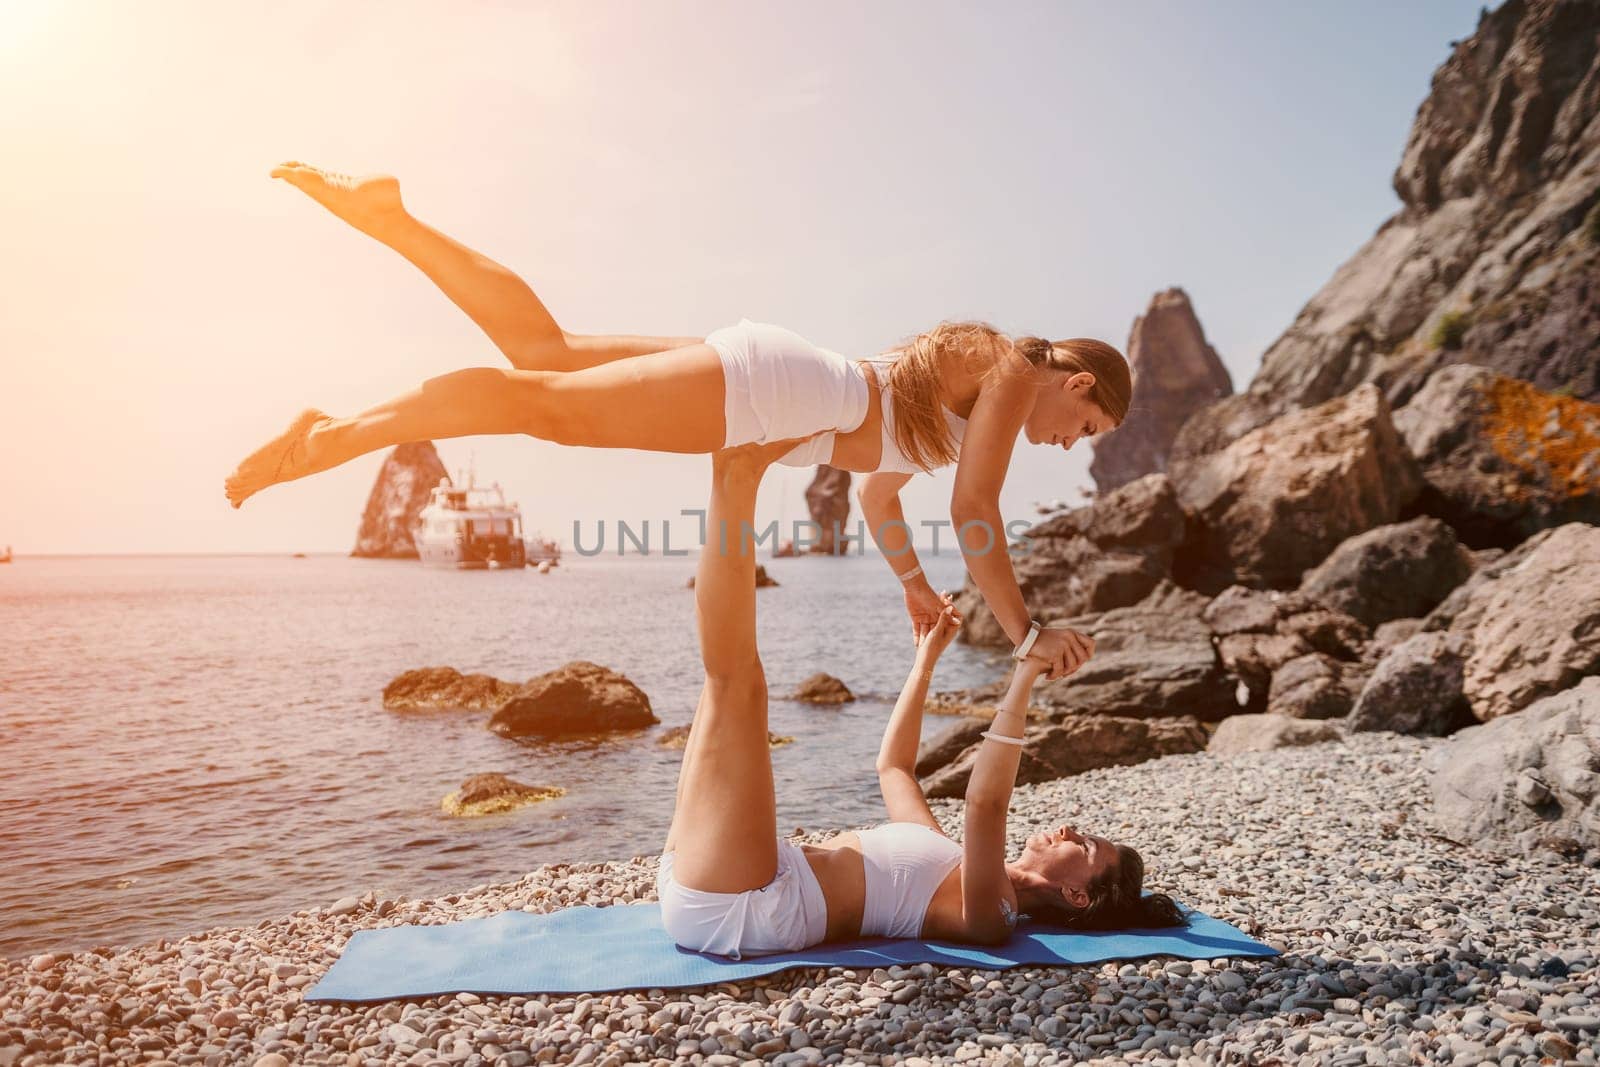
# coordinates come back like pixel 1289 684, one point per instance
pixel 664 402
pixel 500 302
pixel 725 825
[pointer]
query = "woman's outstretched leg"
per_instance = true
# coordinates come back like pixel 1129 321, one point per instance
pixel 500 302
pixel 725 826
pixel 665 402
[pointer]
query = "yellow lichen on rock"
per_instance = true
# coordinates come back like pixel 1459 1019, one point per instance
pixel 1556 439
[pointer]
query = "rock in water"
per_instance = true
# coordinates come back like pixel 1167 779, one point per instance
pixel 577 698
pixel 1175 374
pixel 1527 781
pixel 678 737
pixel 405 481
pixel 823 689
pixel 487 794
pixel 1502 460
pixel 828 500
pixel 445 688
pixel 1492 257
pixel 1277 501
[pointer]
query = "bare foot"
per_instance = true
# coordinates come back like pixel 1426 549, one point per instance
pixel 282 459
pixel 366 202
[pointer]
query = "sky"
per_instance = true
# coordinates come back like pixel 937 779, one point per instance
pixel 856 172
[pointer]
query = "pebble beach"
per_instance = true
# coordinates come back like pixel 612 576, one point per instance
pixel 1398 946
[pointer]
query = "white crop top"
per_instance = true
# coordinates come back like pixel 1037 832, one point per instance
pixel 904 863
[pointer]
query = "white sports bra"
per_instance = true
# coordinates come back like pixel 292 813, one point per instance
pixel 892 458
pixel 904 863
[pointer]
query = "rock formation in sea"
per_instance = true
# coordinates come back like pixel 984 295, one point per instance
pixel 828 501
pixel 405 481
pixel 1493 258
pixel 1175 374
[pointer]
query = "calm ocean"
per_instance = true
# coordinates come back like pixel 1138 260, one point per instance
pixel 198 741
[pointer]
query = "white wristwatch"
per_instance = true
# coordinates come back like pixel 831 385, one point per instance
pixel 1021 650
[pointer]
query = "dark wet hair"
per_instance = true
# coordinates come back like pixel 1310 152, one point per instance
pixel 1117 901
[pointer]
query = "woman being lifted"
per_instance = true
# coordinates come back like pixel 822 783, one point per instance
pixel 961 393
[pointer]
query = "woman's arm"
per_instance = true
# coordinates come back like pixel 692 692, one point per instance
pixel 880 503
pixel 897 757
pixel 984 882
pixel 997 418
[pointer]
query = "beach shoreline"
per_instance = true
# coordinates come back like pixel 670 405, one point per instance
pixel 1396 943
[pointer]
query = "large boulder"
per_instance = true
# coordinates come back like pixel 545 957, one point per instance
pixel 1109 554
pixel 1259 632
pixel 1486 261
pixel 1402 570
pixel 1534 630
pixel 577 698
pixel 1076 744
pixel 1152 660
pixel 1416 688
pixel 404 484
pixel 828 501
pixel 1175 373
pixel 1501 459
pixel 1528 781
pixel 1261 733
pixel 1277 501
pixel 445 688
pixel 1314 686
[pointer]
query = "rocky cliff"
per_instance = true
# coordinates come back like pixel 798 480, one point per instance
pixel 406 478
pixel 1175 374
pixel 1494 256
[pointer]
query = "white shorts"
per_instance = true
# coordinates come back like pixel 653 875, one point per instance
pixel 780 385
pixel 787 914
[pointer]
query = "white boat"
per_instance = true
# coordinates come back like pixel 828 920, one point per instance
pixel 541 549
pixel 469 527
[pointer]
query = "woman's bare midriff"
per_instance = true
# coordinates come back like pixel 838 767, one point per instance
pixel 861 450
pixel 837 864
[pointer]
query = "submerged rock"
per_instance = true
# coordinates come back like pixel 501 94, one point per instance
pixel 445 688
pixel 401 491
pixel 763 579
pixel 487 794
pixel 823 689
pixel 1526 782
pixel 678 737
pixel 577 698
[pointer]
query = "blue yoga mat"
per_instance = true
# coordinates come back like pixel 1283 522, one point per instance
pixel 590 950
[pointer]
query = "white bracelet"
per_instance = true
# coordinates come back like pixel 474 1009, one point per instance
pixel 991 735
pixel 1027 642
pixel 910 574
